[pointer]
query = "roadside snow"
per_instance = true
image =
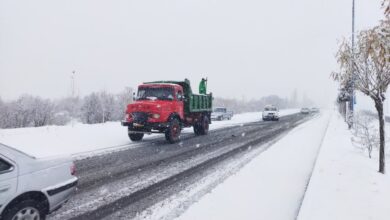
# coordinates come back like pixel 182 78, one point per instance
pixel 345 182
pixel 272 185
pixel 84 140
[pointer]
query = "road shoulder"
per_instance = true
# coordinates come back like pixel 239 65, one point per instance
pixel 345 183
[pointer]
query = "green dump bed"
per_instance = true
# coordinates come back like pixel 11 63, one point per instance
pixel 193 102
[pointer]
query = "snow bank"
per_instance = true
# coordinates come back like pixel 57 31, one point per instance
pixel 272 185
pixel 84 139
pixel 345 183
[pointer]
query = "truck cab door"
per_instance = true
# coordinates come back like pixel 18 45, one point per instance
pixel 8 180
pixel 180 103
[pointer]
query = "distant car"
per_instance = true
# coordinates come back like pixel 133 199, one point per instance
pixel 221 113
pixel 31 188
pixel 314 110
pixel 270 112
pixel 305 111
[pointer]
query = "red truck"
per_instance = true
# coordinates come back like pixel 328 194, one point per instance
pixel 167 107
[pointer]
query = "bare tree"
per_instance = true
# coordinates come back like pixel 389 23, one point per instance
pixel 365 133
pixel 386 6
pixel 368 65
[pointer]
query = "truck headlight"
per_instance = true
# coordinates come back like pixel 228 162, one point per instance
pixel 127 116
pixel 154 116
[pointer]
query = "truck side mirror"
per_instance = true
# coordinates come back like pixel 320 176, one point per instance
pixel 134 98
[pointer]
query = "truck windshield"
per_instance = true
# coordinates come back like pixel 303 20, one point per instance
pixel 155 93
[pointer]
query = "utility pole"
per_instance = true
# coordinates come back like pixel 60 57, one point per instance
pixel 73 95
pixel 352 94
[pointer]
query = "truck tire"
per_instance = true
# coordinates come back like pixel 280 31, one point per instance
pixel 172 134
pixel 26 209
pixel 202 128
pixel 136 136
pixel 197 129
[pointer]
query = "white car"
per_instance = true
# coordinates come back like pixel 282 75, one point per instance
pixel 31 188
pixel 221 113
pixel 270 112
pixel 305 110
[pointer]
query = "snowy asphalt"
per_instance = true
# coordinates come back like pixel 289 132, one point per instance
pixel 131 180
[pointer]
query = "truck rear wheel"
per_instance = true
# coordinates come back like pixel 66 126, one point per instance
pixel 136 136
pixel 202 128
pixel 172 134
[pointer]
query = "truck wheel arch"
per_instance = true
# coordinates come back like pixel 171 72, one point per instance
pixel 174 115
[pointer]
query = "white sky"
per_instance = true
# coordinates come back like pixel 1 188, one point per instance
pixel 246 48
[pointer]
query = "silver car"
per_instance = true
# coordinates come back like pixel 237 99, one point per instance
pixel 31 188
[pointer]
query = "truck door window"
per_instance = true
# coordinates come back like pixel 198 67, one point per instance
pixel 179 96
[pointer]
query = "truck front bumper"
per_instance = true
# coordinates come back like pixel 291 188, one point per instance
pixel 145 128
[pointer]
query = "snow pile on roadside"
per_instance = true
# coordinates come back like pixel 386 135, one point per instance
pixel 272 185
pixel 85 139
pixel 345 183
pixel 64 140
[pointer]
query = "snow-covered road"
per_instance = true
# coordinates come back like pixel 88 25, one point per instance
pixel 83 140
pixel 118 185
pixel 272 185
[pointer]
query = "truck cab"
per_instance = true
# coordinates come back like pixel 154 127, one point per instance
pixel 167 107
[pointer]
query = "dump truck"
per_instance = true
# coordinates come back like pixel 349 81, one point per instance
pixel 167 107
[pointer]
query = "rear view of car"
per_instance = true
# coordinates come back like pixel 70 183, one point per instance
pixel 314 110
pixel 31 188
pixel 305 110
pixel 270 113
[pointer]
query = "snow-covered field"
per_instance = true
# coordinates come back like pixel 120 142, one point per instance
pixel 345 182
pixel 84 139
pixel 271 186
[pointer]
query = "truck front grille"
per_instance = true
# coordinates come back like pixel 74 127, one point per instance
pixel 140 117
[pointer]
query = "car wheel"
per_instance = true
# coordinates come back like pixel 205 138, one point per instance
pixel 27 209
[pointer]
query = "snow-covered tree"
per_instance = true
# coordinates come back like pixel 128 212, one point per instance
pixel 43 112
pixel 365 133
pixel 90 109
pixel 122 100
pixel 107 106
pixel 368 65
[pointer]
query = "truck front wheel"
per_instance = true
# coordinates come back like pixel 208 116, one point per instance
pixel 172 134
pixel 136 136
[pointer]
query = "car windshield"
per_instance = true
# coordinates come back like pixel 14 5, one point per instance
pixel 150 93
pixel 270 109
pixel 219 110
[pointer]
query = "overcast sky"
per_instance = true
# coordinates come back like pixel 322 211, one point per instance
pixel 246 48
